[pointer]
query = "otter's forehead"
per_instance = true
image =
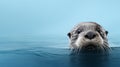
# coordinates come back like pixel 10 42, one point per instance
pixel 87 26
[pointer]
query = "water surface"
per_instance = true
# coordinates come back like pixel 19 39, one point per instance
pixel 52 52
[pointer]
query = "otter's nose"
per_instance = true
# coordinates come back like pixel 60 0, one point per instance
pixel 90 35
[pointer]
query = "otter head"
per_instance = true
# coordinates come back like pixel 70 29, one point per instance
pixel 88 37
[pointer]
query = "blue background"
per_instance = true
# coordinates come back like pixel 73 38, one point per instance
pixel 29 18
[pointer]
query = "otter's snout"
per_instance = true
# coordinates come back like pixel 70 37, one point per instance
pixel 90 35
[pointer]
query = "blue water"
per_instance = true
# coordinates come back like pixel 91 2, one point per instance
pixel 51 52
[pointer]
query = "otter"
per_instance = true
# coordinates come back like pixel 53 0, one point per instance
pixel 88 37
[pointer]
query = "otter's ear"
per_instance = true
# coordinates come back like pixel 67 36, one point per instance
pixel 106 32
pixel 69 35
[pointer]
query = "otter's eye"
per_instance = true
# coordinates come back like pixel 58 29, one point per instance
pixel 78 31
pixel 99 30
